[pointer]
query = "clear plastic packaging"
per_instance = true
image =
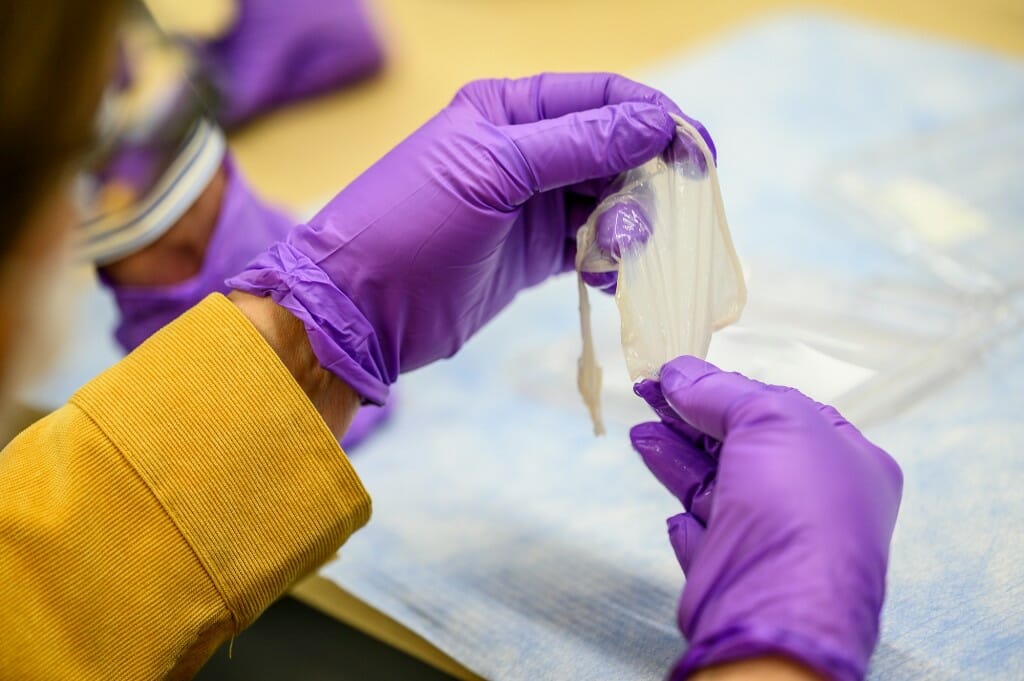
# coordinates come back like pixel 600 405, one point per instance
pixel 679 277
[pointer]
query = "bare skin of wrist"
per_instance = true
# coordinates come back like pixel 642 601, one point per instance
pixel 332 397
pixel 769 668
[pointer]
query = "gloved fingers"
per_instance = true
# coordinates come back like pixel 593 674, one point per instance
pixel 839 422
pixel 624 226
pixel 651 392
pixel 706 397
pixel 605 282
pixel 553 95
pixel 686 534
pixel 578 208
pixel 686 156
pixel 683 468
pixel 586 145
pixel 686 145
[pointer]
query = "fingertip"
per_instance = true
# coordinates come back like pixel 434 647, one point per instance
pixel 647 389
pixel 656 443
pixel 677 463
pixel 707 137
pixel 623 227
pixel 643 433
pixel 685 534
pixel 682 372
pixel 587 145
pixel 652 393
pixel 710 142
pixel 652 127
pixel 605 282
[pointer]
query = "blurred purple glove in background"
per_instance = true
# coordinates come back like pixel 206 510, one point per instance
pixel 790 511
pixel 245 226
pixel 279 51
pixel 483 201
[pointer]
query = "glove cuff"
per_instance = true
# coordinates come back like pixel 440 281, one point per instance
pixel 747 642
pixel 342 338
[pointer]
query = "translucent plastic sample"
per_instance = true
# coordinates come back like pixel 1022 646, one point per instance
pixel 678 275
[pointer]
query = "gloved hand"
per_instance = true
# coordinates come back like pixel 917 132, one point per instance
pixel 245 225
pixel 790 511
pixel 630 216
pixel 283 50
pixel 484 200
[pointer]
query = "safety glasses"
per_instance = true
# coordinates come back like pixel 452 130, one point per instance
pixel 157 145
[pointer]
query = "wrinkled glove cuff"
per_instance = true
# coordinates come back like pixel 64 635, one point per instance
pixel 748 642
pixel 342 338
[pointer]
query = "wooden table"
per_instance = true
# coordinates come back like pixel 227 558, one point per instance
pixel 303 154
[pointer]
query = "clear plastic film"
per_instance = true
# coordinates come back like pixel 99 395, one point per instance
pixel 679 278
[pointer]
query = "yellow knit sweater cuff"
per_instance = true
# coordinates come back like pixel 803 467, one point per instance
pixel 233 451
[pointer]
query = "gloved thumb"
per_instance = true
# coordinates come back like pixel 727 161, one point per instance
pixel 587 145
pixel 622 227
pixel 705 396
pixel 686 535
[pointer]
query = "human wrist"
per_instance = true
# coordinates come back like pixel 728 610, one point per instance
pixel 339 333
pixel 765 668
pixel 336 401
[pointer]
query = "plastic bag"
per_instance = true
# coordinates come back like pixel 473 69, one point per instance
pixel 679 277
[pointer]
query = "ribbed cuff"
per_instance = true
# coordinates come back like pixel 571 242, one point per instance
pixel 234 452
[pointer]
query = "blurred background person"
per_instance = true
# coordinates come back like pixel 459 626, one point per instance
pixel 171 214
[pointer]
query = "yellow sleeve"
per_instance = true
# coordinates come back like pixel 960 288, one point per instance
pixel 161 510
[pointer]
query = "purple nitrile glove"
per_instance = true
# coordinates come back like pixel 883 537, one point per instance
pixel 483 201
pixel 280 51
pixel 790 511
pixel 365 423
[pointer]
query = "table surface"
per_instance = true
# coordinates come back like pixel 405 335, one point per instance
pixel 299 155
pixel 305 153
